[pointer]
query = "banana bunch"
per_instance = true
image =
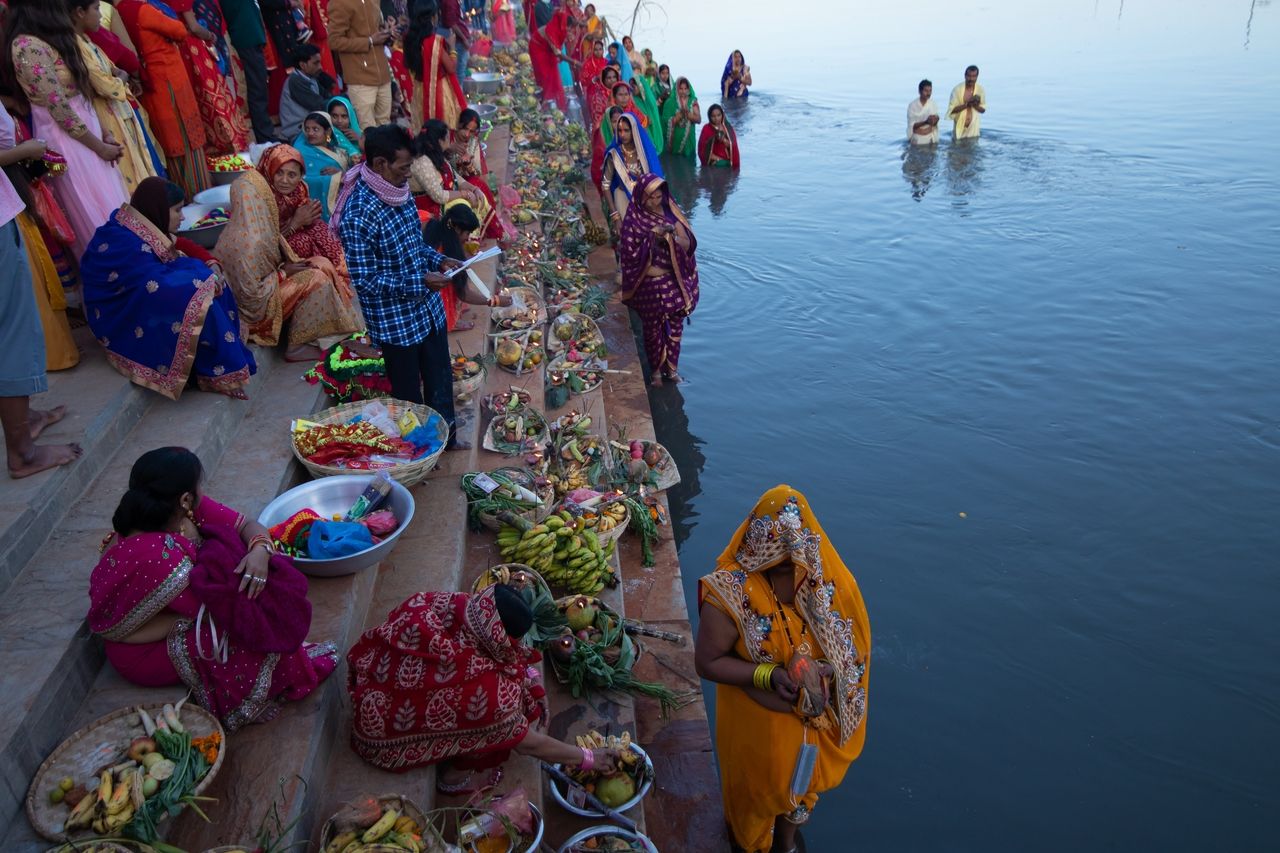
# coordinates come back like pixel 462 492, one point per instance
pixel 392 829
pixel 572 478
pixel 612 515
pixel 564 550
pixel 110 806
pixel 595 233
pixel 619 743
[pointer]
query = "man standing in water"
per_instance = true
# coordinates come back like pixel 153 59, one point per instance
pixel 968 102
pixel 922 117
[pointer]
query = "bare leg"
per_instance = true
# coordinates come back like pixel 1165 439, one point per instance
pixel 784 835
pixel 41 420
pixel 24 456
pixel 306 352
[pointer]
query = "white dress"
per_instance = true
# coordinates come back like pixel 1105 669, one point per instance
pixel 918 112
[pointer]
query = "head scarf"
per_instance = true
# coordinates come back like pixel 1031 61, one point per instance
pixel 644 145
pixel 345 144
pixel 153 198
pixel 273 159
pixel 638 243
pixel 680 140
pixel 625 70
pixel 780 528
pixel 439 679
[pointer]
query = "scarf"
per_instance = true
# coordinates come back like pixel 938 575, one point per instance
pixel 389 194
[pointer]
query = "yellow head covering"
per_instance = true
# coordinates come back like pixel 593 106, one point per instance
pixel 781 528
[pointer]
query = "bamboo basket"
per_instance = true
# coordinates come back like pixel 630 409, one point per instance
pixel 613 533
pixel 490 403
pixel 626 641
pixel 531 299
pixel 399 802
pixel 408 474
pixel 527 442
pixel 668 474
pixel 534 514
pixel 490 576
pixel 559 364
pixel 468 386
pixel 582 325
pixel 102 743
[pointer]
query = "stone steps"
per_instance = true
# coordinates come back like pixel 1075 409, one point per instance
pixel 50 661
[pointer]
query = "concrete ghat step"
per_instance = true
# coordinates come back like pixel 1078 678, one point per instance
pixel 102 407
pixel 54 669
pixel 48 656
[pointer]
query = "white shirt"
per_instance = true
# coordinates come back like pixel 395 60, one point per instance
pixel 918 112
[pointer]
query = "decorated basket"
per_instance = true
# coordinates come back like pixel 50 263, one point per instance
pixel 572 326
pixel 523 441
pixel 522 477
pixel 405 807
pixel 408 473
pixel 660 476
pixel 99 745
pixel 530 313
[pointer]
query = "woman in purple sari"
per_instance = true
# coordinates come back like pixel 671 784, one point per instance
pixel 659 272
pixel 191 592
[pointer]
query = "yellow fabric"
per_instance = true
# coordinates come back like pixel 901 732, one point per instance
pixel 111 103
pixel 60 350
pixel 758 747
pixel 973 128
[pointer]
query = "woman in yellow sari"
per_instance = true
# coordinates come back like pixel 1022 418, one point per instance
pixel 110 96
pixel 784 634
pixel 273 284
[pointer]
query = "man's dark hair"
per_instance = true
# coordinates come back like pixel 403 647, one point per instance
pixel 972 68
pixel 924 83
pixel 386 141
pixel 303 53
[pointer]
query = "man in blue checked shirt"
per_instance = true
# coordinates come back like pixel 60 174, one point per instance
pixel 396 274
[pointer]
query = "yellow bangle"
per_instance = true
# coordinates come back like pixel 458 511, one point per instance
pixel 763 675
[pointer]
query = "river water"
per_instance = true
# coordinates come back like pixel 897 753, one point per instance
pixel 1030 386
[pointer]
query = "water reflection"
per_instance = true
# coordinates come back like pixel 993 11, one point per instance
pixel 719 183
pixel 682 178
pixel 918 162
pixel 965 163
pixel 671 423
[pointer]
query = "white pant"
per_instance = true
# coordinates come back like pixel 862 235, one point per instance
pixel 372 103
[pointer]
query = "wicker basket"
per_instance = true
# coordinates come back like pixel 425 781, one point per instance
pixel 559 363
pixel 99 744
pixel 527 443
pixel 613 533
pixel 468 386
pixel 582 326
pixel 668 474
pixel 405 806
pixel 408 474
pixel 535 514
pixel 117 846
pixel 490 576
pixel 637 648
pixel 490 401
pixel 531 298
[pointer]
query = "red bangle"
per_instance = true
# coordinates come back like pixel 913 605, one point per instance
pixel 588 760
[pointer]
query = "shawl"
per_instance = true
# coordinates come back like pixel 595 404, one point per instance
pixel 707 142
pixel 315 159
pixel 737 89
pixel 315 239
pixel 350 148
pixel 250 247
pixel 680 140
pixel 439 679
pixel 639 244
pixel 147 304
pixel 388 194
pixel 644 147
pixel 782 527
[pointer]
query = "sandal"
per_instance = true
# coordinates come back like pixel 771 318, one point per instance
pixel 466 789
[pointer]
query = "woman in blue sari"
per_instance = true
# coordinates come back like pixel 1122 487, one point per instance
pixel 736 77
pixel 629 157
pixel 625 71
pixel 324 158
pixel 346 127
pixel 162 314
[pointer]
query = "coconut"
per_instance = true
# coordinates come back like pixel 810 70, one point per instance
pixel 581 613
pixel 615 789
pixel 508 352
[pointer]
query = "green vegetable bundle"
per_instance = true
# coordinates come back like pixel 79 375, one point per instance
pixel 177 792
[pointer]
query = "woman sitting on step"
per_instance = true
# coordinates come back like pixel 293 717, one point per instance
pixel 191 592
pixel 437 654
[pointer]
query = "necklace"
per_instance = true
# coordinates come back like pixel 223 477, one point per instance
pixel 781 615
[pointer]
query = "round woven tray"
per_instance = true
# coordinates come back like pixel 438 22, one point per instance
pixel 667 472
pixel 524 396
pixel 399 802
pixel 102 743
pixel 489 576
pixel 581 323
pixel 531 299
pixel 525 478
pixel 408 474
pixel 612 533
pixel 559 363
pixel 528 443
pixel 517 369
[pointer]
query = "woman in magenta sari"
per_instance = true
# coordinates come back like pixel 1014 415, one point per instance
pixel 659 272
pixel 190 592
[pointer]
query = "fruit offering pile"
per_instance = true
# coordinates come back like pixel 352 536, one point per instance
pixel 564 549
pixel 390 831
pixel 613 786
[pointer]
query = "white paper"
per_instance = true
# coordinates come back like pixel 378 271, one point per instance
pixel 491 252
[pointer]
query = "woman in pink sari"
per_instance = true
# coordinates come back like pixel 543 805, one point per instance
pixel 659 272
pixel 190 592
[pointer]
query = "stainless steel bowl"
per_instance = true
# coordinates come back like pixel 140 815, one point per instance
pixel 599 831
pixel 559 796
pixel 483 83
pixel 330 496
pixel 219 179
pixel 485 111
pixel 206 236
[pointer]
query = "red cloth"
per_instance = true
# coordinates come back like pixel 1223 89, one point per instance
pixel 120 56
pixel 316 238
pixel 144 575
pixel 193 250
pixel 544 53
pixel 440 680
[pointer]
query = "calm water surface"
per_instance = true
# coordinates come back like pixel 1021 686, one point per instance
pixel 1067 332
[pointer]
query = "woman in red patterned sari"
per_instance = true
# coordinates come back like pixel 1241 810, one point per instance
pixel 446 680
pixel 177 563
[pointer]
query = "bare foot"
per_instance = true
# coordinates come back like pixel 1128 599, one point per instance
pixel 42 458
pixel 674 377
pixel 463 326
pixel 306 352
pixel 656 381
pixel 42 420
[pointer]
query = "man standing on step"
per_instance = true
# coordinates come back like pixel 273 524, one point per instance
pixel 249 38
pixel 396 274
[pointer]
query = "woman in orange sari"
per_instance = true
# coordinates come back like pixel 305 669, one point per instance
pixel 435 92
pixel 226 127
pixel 785 636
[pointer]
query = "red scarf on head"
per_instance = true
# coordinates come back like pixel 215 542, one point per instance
pixel 439 679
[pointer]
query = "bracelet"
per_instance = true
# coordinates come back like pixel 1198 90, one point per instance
pixel 588 759
pixel 763 675
pixel 264 540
